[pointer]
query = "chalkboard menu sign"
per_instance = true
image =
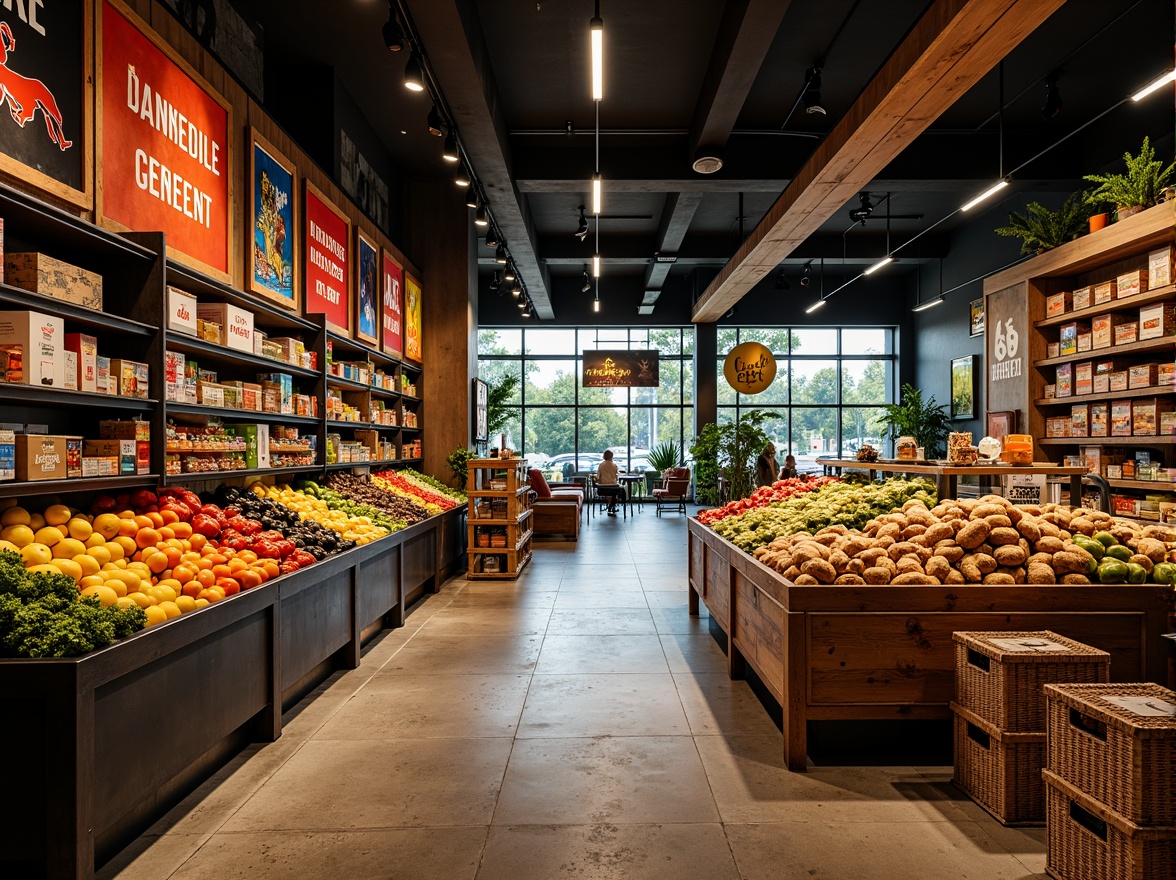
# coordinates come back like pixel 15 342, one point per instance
pixel 620 369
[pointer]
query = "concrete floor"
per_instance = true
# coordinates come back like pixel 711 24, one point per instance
pixel 576 723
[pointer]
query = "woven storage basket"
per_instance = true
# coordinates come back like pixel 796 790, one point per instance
pixel 1086 841
pixel 1002 684
pixel 1120 759
pixel 1000 771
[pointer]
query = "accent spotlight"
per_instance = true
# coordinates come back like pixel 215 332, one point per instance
pixel 481 218
pixel 582 229
pixel 509 275
pixel 597 184
pixel 462 178
pixel 812 91
pixel 449 152
pixel 414 74
pixel 806 280
pixel 491 237
pixel 435 123
pixel 500 255
pixel 587 283
pixel 471 195
pixel 393 33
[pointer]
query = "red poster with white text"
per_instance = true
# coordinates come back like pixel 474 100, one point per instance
pixel 327 263
pixel 165 149
pixel 393 307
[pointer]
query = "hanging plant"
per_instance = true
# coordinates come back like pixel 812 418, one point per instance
pixel 1041 229
pixel 1141 187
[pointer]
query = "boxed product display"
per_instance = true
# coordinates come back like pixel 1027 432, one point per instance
pixel 1065 380
pixel 71 370
pixel 1050 391
pixel 1053 349
pixel 1165 373
pixel 130 378
pixel 257 443
pixel 1119 381
pixel 1141 376
pixel 181 311
pixel 236 324
pixel 1085 340
pixel 1157 320
pixel 1082 298
pixel 1145 415
pixel 1101 383
pixel 86 349
pixel 7 454
pixel 1131 283
pixel 210 394
pixel 1120 418
pixel 1103 293
pixel 124 450
pixel 282 386
pixel 40 457
pixel 1100 414
pixel 1159 267
pixel 1080 420
pixel 56 278
pixel 1103 329
pixel 1126 333
pixel 1068 336
pixel 1057 426
pixel 1084 377
pixel 1167 423
pixel 39 343
pixel 1058 304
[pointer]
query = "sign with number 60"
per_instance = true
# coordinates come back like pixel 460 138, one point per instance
pixel 1005 342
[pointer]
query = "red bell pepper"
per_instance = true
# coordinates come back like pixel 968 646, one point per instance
pixel 205 525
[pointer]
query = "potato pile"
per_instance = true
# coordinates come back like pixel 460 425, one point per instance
pixel 984 541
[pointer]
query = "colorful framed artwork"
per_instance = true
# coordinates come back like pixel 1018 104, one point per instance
pixel 367 286
pixel 963 387
pixel 393 306
pixel 1001 424
pixel 327 254
pixel 977 313
pixel 481 411
pixel 412 318
pixel 272 246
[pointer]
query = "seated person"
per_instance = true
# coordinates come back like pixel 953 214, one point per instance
pixel 789 469
pixel 607 485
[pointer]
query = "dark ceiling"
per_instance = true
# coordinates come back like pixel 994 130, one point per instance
pixel 515 72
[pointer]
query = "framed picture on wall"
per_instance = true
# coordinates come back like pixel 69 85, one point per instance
pixel 481 411
pixel 977 311
pixel 368 302
pixel 1001 424
pixel 327 257
pixel 272 241
pixel 963 387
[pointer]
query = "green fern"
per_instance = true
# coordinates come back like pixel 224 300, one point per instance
pixel 1041 229
pixel 1140 187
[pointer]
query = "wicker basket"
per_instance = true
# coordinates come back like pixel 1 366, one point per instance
pixel 1086 841
pixel 1000 771
pixel 1120 759
pixel 1001 680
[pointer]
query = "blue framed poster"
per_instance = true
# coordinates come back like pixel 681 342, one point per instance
pixel 368 303
pixel 272 258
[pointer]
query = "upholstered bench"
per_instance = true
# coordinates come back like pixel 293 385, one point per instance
pixel 557 509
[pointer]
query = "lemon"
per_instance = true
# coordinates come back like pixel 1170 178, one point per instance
pixel 87 563
pixel 36 521
pixel 126 602
pixel 14 516
pixel 91 580
pixel 116 550
pixel 49 535
pixel 68 548
pixel 19 535
pixel 170 609
pixel 100 554
pixel 69 567
pixel 36 554
pixel 8 545
pixel 48 569
pixel 80 528
pixel 107 524
pixel 165 594
pixel 155 615
pixel 105 594
pixel 56 515
pixel 140 599
pixel 95 540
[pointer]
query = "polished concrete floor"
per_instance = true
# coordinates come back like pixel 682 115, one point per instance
pixel 576 723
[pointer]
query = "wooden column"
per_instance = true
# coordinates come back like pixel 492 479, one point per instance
pixel 442 242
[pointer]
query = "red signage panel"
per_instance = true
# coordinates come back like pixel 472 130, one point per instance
pixel 165 146
pixel 328 261
pixel 393 307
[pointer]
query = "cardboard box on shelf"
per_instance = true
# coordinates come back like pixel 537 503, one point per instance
pixel 1114 472
pixel 1119 381
pixel 1127 333
pixel 1068 336
pixel 1103 329
pixel 124 429
pixel 181 311
pixel 1058 304
pixel 210 331
pixel 1082 298
pixel 1168 423
pixel 1084 378
pixel 86 348
pixel 41 339
pixel 1157 320
pixel 1091 457
pixel 102 376
pixel 1124 505
pixel 1159 267
pixel 1120 418
pixel 1085 341
pixel 257 443
pixel 7 445
pixel 1100 419
pixel 126 451
pixel 1131 283
pixel 1101 383
pixel 1141 376
pixel 130 378
pixel 56 278
pixel 71 370
pixel 40 457
pixel 73 457
pixel 236 324
pixel 1080 420
pixel 1065 380
pixel 1165 373
pixel 1050 391
pixel 1053 349
pixel 1102 293
pixel 210 394
pixel 1057 426
pixel 1145 415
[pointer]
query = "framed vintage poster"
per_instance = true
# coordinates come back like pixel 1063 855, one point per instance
pixel 165 156
pixel 272 243
pixel 1001 424
pixel 963 387
pixel 46 127
pixel 976 309
pixel 393 306
pixel 481 411
pixel 367 319
pixel 328 261
pixel 412 318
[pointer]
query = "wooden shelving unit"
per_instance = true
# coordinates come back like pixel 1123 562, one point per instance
pixel 499 506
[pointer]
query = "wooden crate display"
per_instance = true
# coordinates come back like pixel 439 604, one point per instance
pixel 999 770
pixel 500 517
pixel 999 675
pixel 1116 743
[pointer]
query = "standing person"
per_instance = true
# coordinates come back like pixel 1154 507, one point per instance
pixel 789 469
pixel 607 484
pixel 765 466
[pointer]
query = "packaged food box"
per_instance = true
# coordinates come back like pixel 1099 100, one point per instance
pixel 257 443
pixel 1141 376
pixel 131 378
pixel 210 394
pixel 237 324
pixel 1053 349
pixel 1082 298
pixel 71 370
pixel 1101 383
pixel 1058 304
pixel 1080 420
pixel 181 311
pixel 126 451
pixel 40 457
pixel 41 341
pixel 124 429
pixel 1065 380
pixel 56 278
pixel 1109 366
pixel 1103 329
pixel 1124 505
pixel 1131 283
pixel 1057 426
pixel 86 349
pixel 1050 390
pixel 1168 423
pixel 1159 267
pixel 1085 341
pixel 7 450
pixel 1145 415
pixel 1068 336
pixel 1103 293
pixel 1120 418
pixel 1100 419
pixel 1091 458
pixel 103 376
pixel 283 383
pixel 100 467
pixel 1114 472
pixel 1119 381
pixel 1157 320
pixel 259 340
pixel 1084 377
pixel 1127 333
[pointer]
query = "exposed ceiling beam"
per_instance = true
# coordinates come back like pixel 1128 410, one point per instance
pixel 948 50
pixel 460 60
pixel 671 230
pixel 744 37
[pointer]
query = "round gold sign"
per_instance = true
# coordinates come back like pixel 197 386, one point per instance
pixel 749 368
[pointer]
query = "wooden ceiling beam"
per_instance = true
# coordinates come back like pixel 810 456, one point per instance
pixel 953 45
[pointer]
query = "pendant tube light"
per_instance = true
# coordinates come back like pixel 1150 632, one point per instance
pixel 596 265
pixel 814 307
pixel 414 75
pixel 1154 86
pixel 596 302
pixel 596 39
pixel 597 183
pixel 988 193
pixel 882 262
pixel 931 303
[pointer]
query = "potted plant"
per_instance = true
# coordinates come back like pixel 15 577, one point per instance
pixel 498 409
pixel 458 461
pixel 730 449
pixel 923 420
pixel 1041 229
pixel 661 458
pixel 1141 187
pixel 1101 215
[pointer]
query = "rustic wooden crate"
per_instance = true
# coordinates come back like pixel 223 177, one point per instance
pixel 1000 771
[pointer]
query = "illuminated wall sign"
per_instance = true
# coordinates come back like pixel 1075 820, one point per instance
pixel 620 369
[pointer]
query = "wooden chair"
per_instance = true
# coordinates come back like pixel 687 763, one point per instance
pixel 671 494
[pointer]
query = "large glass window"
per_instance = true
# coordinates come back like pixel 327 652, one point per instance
pixel 563 427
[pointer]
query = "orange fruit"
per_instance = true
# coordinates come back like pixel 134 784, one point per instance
pixel 128 527
pixel 101 553
pixel 146 537
pixel 166 534
pixel 183 530
pixel 271 568
pixel 173 555
pixel 198 541
pixel 218 558
pixel 128 544
pixel 249 579
pixel 184 573
pixel 105 594
pixel 192 588
pixel 236 565
pixel 205 577
pixel 229 585
pixel 248 555
pixel 143 521
pixel 155 615
pixel 210 595
pixel 201 603
pixel 168 517
pixel 107 525
pixel 115 549
pixel 154 517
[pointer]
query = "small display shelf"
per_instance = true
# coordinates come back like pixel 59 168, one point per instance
pixel 499 520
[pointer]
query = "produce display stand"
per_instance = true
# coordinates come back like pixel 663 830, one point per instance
pixel 886 652
pixel 946 476
pixel 110 741
pixel 514 521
